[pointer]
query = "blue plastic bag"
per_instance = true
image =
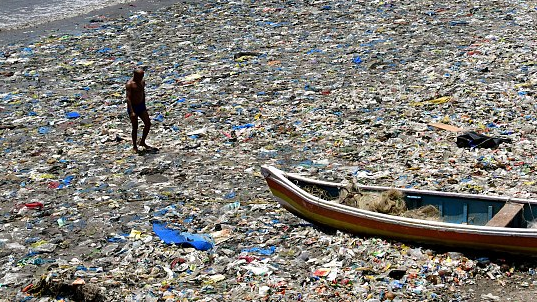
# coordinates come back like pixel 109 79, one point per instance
pixel 169 236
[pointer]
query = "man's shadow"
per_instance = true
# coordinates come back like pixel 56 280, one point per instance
pixel 145 151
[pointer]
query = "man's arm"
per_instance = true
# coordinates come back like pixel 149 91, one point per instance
pixel 143 91
pixel 129 101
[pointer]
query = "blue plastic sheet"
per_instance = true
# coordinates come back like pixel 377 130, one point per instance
pixel 43 130
pixel 169 236
pixel 72 115
pixel 266 252
pixel 239 127
pixel 159 118
pixel 357 60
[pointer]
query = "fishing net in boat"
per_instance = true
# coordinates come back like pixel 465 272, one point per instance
pixel 532 224
pixel 388 202
pixel 428 212
pixel 319 192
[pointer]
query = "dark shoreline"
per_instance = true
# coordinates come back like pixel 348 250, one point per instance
pixel 76 24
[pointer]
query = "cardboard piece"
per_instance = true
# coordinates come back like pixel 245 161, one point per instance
pixel 446 127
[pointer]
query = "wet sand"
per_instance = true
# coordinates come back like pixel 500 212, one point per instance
pixel 76 24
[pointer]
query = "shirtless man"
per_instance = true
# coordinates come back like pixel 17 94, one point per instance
pixel 135 88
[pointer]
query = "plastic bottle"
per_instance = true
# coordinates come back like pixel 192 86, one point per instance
pixel 230 207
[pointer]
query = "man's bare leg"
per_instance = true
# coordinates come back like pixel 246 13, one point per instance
pixel 134 132
pixel 147 125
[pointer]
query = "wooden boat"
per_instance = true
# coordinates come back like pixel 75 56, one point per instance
pixel 466 220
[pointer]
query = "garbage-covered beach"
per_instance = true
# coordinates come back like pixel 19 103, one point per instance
pixel 328 89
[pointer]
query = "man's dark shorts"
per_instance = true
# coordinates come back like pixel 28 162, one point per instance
pixel 138 109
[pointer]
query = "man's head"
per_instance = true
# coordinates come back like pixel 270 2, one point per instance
pixel 138 74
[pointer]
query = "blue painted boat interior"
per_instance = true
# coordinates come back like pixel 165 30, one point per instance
pixel 459 210
pixel 456 210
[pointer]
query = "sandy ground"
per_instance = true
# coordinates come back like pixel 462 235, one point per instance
pixel 313 111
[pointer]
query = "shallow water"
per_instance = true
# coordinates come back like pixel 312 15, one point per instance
pixel 20 14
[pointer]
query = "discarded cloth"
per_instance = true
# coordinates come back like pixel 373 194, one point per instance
pixel 473 139
pixel 169 236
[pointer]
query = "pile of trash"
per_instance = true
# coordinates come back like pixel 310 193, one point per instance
pixel 377 90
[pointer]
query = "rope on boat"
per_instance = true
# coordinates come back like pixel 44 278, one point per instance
pixel 388 202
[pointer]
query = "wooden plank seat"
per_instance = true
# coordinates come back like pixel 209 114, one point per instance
pixel 505 215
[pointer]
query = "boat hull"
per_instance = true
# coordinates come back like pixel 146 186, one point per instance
pixel 330 214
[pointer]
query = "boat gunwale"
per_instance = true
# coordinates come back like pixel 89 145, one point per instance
pixel 283 178
pixel 406 190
